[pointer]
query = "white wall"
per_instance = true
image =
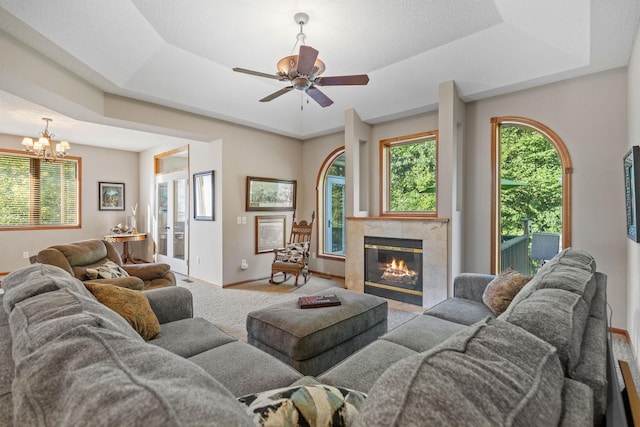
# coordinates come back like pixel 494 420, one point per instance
pixel 590 115
pixel 633 249
pixel 98 164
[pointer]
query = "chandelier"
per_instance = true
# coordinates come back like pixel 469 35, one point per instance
pixel 43 147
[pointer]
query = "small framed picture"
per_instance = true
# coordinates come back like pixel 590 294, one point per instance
pixel 111 196
pixel 268 194
pixel 203 196
pixel 270 233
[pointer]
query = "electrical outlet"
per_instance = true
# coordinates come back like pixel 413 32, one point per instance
pixel 25 255
pixel 197 260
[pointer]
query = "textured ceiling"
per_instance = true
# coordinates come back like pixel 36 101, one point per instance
pixel 180 53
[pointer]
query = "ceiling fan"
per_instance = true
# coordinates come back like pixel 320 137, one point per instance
pixel 304 71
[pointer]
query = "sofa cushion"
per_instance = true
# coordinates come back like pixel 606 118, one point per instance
pixel 423 332
pixel 557 316
pixel 304 405
pixel 460 310
pixel 501 290
pixel 37 279
pixel 43 318
pixel 106 270
pixel 190 336
pixel 132 305
pixel 492 373
pixel 95 376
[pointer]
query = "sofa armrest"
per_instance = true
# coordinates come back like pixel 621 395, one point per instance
pixel 471 285
pixel 171 303
pixel 147 271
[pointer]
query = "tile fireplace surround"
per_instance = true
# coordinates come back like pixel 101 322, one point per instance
pixel 433 233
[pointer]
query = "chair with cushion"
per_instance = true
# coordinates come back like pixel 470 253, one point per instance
pixel 98 261
pixel 294 258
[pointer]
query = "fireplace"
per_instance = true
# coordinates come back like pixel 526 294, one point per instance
pixel 393 268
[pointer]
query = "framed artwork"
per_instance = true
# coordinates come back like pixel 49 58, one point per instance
pixel 270 233
pixel 203 196
pixel 631 185
pixel 267 194
pixel 111 196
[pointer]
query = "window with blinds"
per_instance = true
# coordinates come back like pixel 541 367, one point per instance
pixel 39 194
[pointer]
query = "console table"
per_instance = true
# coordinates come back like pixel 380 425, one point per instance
pixel 127 258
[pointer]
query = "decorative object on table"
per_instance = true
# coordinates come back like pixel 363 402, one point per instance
pixel 268 194
pixel 294 258
pixel 631 183
pixel 203 196
pixel 270 233
pixel 132 221
pixel 42 147
pixel 303 71
pixel 315 301
pixel 111 196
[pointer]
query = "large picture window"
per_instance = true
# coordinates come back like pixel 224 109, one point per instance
pixel 409 174
pixel 39 194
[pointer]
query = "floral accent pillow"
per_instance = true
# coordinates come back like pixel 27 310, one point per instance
pixel 108 270
pixel 305 405
pixel 294 252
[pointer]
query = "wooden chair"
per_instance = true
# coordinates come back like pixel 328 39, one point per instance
pixel 294 258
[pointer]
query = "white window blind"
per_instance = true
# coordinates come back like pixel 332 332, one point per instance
pixel 37 193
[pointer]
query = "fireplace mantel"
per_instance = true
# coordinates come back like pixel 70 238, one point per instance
pixel 432 231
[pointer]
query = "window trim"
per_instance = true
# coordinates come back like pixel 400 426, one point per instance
pixel 320 187
pixel 385 144
pixel 78 161
pixel 567 171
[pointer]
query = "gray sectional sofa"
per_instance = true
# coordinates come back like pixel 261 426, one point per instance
pixel 65 359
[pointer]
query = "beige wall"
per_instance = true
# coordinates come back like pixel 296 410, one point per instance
pixel 633 249
pixel 590 115
pixel 98 164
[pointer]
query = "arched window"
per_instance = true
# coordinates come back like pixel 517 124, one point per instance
pixel 331 198
pixel 522 146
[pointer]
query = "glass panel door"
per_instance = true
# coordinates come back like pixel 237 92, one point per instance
pixel 172 219
pixel 334 204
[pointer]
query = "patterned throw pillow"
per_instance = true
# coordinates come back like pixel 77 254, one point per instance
pixel 108 270
pixel 132 305
pixel 306 405
pixel 294 252
pixel 500 291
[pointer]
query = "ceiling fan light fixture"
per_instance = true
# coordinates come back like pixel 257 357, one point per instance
pixel 288 66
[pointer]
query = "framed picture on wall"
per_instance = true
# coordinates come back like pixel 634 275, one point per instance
pixel 203 192
pixel 111 196
pixel 270 232
pixel 268 194
pixel 631 185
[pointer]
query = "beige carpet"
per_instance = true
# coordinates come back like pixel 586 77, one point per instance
pixel 228 307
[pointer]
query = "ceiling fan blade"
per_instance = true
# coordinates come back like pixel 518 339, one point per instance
pixel 319 97
pixel 358 79
pixel 306 60
pixel 276 94
pixel 259 74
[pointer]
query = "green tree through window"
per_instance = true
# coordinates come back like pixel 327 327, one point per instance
pixel 38 193
pixel 531 173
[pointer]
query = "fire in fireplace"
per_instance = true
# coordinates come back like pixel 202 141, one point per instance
pixel 393 268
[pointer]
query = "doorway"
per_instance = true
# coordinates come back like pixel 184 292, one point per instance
pixel 172 209
pixel 531 194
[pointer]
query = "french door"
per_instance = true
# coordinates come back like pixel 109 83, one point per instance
pixel 172 202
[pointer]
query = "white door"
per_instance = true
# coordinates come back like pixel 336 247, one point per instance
pixel 172 201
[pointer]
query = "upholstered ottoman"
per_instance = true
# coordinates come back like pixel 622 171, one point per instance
pixel 314 339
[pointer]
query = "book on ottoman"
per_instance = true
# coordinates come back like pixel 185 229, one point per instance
pixel 314 301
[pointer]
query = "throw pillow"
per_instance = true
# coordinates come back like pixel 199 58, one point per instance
pixel 132 305
pixel 501 290
pixel 304 405
pixel 108 270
